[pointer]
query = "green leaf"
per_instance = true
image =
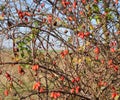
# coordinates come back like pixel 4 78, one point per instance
pixel 95 8
pixel 22 54
pixel 36 24
pixel 109 16
pixel 21 44
pixel 97 17
pixel 26 66
pixel 35 31
pixel 107 10
pixel 32 36
pixel 2 7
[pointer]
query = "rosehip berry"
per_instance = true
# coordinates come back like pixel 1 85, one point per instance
pixel 96 50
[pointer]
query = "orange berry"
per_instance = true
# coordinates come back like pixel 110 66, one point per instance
pixel 66 52
pixel 6 92
pixel 36 86
pixel 110 62
pixel 116 1
pixel 70 18
pixel 35 67
pixel 27 14
pixel 112 50
pixel 49 18
pixel 20 70
pixel 52 94
pixel 96 50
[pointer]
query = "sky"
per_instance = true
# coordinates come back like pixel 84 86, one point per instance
pixel 8 43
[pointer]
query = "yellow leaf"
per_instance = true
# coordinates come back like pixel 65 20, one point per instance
pixel 81 48
pixel 16 59
pixel 87 43
pixel 1 17
pixel 117 97
pixel 91 27
pixel 76 60
pixel 98 21
pixel 88 59
pixel 79 60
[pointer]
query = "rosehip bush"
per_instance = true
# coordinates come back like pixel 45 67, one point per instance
pixel 60 49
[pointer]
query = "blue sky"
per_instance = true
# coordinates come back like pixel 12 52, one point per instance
pixel 8 43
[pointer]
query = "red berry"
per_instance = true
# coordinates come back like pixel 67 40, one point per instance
pixel 96 57
pixel 95 1
pixel 42 5
pixel 77 89
pixel 74 4
pixel 102 61
pixel 81 35
pixel 112 50
pixel 115 68
pixel 87 34
pixel 6 92
pixel 72 90
pixel 114 94
pixel 58 94
pixel 49 18
pixel 41 90
pixel 81 13
pixel 110 62
pixel 0 72
pixel 52 94
pixel 73 80
pixel 84 1
pixel 35 67
pixel 65 52
pixel 77 79
pixel 96 50
pixel 7 75
pixel 62 78
pixel 36 86
pixel 20 70
pixel 101 83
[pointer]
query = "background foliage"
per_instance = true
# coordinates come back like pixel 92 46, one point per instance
pixel 60 49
